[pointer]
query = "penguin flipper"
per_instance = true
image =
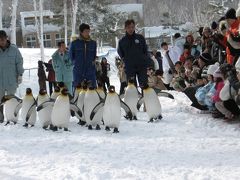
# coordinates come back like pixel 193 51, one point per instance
pixel 165 94
pixel 45 104
pixel 30 111
pixel 18 107
pixel 95 109
pixel 74 108
pixel 139 103
pixel 126 109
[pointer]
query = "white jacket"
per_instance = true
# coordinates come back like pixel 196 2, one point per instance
pixel 225 92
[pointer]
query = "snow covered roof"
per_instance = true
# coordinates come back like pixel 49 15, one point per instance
pixel 128 8
pixel 27 14
pixel 156 31
pixel 46 28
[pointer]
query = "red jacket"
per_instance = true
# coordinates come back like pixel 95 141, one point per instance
pixel 219 87
pixel 232 41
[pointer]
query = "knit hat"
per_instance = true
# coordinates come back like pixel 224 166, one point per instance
pixel 206 57
pixel 231 14
pixel 238 12
pixel 3 34
pixel 214 25
pixel 218 73
pixel 212 68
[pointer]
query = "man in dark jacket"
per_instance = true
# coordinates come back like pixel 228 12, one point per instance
pixel 132 49
pixel 83 54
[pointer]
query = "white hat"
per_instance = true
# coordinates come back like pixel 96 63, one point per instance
pixel 238 12
pixel 212 68
pixel 237 65
pixel 218 73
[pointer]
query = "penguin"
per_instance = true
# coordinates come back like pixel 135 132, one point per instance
pixel 77 91
pixel 111 110
pixel 44 115
pixel 10 102
pixel 56 92
pixel 91 99
pixel 80 102
pixel 60 115
pixel 28 112
pixel 152 104
pixel 131 97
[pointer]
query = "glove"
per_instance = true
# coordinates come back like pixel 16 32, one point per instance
pixel 19 80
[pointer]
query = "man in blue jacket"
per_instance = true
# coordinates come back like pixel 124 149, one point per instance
pixel 11 68
pixel 132 49
pixel 83 54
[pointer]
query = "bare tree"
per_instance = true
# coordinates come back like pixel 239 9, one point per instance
pixel 13 21
pixel 1 8
pixel 74 15
pixel 65 22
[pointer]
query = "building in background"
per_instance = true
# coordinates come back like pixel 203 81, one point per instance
pixel 53 33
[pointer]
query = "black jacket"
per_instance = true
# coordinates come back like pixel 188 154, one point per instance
pixel 133 51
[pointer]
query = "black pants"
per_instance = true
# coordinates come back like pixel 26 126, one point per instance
pixel 190 92
pixel 140 73
pixel 123 85
pixel 52 85
pixel 105 83
pixel 232 106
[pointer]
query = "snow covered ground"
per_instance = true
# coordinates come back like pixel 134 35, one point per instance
pixel 185 145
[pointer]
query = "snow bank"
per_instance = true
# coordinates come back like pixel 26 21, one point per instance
pixel 184 145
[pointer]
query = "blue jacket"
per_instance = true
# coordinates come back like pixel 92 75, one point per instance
pixel 63 67
pixel 83 55
pixel 134 52
pixel 11 66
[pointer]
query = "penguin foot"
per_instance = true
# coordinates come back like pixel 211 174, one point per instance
pixel 150 121
pixel 159 117
pixel 115 130
pixel 14 123
pixel 31 126
pixel 25 125
pixel 98 127
pixel 103 121
pixel 134 117
pixel 82 123
pixel 51 127
pixel 55 128
pixel 107 128
pixel 45 127
pixel 79 122
pixel 128 117
pixel 65 129
pixel 90 127
pixel 7 123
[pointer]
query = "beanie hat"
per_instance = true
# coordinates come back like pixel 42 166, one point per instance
pixel 214 25
pixel 206 57
pixel 238 12
pixel 231 14
pixel 218 73
pixel 212 68
pixel 3 34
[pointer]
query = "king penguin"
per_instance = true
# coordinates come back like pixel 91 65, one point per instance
pixel 28 112
pixel 112 110
pixel 152 104
pixel 56 92
pixel 80 102
pixel 131 97
pixel 91 99
pixel 44 115
pixel 10 102
pixel 60 115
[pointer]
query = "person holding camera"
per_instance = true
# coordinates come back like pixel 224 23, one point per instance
pixel 230 89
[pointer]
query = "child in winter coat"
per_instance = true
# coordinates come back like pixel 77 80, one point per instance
pixel 205 93
pixel 219 83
